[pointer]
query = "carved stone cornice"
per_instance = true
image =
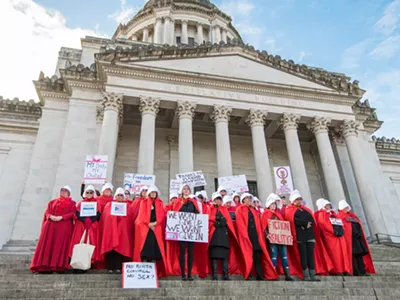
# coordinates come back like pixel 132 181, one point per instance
pixel 256 117
pixel 221 113
pixel 112 101
pixel 349 128
pixel 289 121
pixel 386 144
pixel 319 125
pixel 20 110
pixel 186 109
pixel 149 105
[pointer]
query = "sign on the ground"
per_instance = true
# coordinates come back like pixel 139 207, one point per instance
pixel 137 275
pixel 279 232
pixel 95 169
pixel 187 227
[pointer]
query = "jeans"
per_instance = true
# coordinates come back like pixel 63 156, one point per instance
pixel 282 250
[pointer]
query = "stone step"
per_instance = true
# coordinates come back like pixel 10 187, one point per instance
pixel 262 297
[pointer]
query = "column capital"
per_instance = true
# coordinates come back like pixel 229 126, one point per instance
pixel 349 128
pixel 221 113
pixel 186 109
pixel 336 137
pixel 99 113
pixel 112 101
pixel 149 105
pixel 184 21
pixel 256 117
pixel 289 121
pixel 319 125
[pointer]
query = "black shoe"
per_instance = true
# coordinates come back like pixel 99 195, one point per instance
pixel 250 277
pixel 259 278
pixel 306 275
pixel 184 278
pixel 312 276
pixel 287 274
pixel 190 278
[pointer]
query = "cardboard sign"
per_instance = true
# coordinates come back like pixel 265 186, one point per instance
pixel 187 227
pixel 88 209
pixel 193 179
pixel 234 184
pixel 118 209
pixel 174 186
pixel 137 275
pixel 279 232
pixel 336 221
pixel 134 182
pixel 95 169
pixel 283 180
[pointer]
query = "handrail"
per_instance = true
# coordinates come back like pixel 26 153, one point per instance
pixel 387 235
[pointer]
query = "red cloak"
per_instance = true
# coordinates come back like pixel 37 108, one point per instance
pixel 142 229
pixel 51 254
pixel 335 246
pixel 93 230
pixel 117 231
pixel 323 263
pixel 348 233
pixel 201 249
pixel 135 207
pixel 242 221
pixel 102 201
pixel 236 259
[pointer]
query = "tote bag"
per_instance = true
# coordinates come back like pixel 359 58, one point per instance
pixel 82 254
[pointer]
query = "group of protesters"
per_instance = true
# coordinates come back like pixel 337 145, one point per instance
pixel 325 242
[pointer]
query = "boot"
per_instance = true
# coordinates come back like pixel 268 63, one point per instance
pixel 287 274
pixel 214 269
pixel 312 276
pixel 225 269
pixel 306 275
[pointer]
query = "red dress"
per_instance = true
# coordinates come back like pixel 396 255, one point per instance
pixel 102 201
pixel 51 254
pixel 242 221
pixel 142 229
pixel 323 262
pixel 93 228
pixel 117 231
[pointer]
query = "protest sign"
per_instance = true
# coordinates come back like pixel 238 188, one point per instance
pixel 174 186
pixel 137 275
pixel 88 209
pixel 134 182
pixel 336 221
pixel 279 232
pixel 128 181
pixel 118 209
pixel 234 184
pixel 193 179
pixel 188 227
pixel 283 180
pixel 95 169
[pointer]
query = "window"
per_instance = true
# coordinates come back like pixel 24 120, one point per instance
pixel 198 189
pixel 178 40
pixel 191 42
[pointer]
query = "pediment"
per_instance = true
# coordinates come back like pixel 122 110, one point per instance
pixel 233 66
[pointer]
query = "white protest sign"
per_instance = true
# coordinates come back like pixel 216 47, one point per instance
pixel 336 221
pixel 88 209
pixel 118 209
pixel 234 184
pixel 193 179
pixel 140 180
pixel 283 180
pixel 174 186
pixel 139 276
pixel 95 169
pixel 128 181
pixel 188 227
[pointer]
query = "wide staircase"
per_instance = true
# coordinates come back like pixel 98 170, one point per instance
pixel 16 282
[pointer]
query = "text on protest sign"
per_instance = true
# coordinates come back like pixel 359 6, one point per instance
pixel 134 182
pixel 174 186
pixel 234 184
pixel 139 276
pixel 187 227
pixel 279 232
pixel 336 221
pixel 283 180
pixel 88 209
pixel 118 209
pixel 193 179
pixel 95 169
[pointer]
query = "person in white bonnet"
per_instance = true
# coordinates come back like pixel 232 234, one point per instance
pixel 222 191
pixel 201 198
pixel 106 195
pixel 236 199
pixel 136 203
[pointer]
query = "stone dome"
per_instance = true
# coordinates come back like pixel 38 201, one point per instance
pixel 205 3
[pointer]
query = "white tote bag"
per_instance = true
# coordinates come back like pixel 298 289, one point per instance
pixel 82 254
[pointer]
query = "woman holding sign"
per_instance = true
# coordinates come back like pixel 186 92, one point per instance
pixel 252 242
pixel 117 243
pixel 87 217
pixel 51 254
pixel 150 231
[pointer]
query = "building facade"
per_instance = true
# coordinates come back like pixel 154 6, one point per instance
pixel 176 90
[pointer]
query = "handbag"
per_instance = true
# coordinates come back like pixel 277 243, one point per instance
pixel 82 254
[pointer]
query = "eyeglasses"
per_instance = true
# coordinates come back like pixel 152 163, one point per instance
pixel 89 192
pixel 127 194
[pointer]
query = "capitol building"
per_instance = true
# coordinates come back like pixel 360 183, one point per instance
pixel 177 90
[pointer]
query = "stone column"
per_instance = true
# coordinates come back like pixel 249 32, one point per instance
pixel 145 35
pixel 217 34
pixel 166 33
pixel 134 37
pixel 224 35
pixel 185 111
pixel 319 126
pixel 200 37
pixel 171 35
pixel 256 120
pixel 184 37
pixel 372 210
pixel 289 123
pixel 112 105
pixel 149 108
pixel 157 31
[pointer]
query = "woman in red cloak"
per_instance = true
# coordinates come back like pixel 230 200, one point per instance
pixel 308 255
pixel 51 254
pixel 136 202
pixel 117 242
pixel 184 204
pixel 90 224
pixel 105 197
pixel 230 205
pixel 236 199
pixel 271 213
pixel 357 246
pixel 150 232
pixel 252 241
pixel 332 233
pixel 172 198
